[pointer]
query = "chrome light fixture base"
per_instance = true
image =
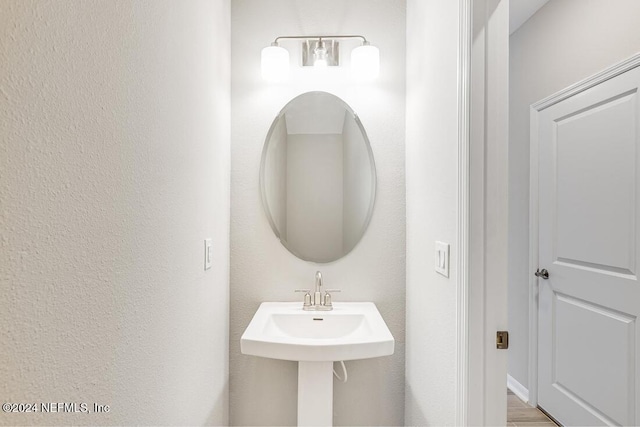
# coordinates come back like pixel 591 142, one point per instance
pixel 309 52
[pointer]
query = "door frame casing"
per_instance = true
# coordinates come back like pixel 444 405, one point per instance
pixel 534 113
pixel 462 285
pixel 482 211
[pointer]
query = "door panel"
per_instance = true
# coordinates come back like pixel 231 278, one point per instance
pixel 588 238
pixel 577 350
pixel 595 185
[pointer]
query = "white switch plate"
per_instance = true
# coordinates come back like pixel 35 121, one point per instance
pixel 442 258
pixel 207 254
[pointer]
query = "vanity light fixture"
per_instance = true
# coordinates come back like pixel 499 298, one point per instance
pixel 320 52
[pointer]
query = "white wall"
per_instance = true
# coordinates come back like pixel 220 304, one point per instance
pixel 431 168
pixel 114 166
pixel 564 42
pixel 264 391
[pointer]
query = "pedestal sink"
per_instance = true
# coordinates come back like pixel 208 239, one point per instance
pixel 315 339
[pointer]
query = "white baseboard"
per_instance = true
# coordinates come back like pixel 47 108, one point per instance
pixel 517 389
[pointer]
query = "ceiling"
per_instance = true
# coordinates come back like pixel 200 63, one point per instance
pixel 521 10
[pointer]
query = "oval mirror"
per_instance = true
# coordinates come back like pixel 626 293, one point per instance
pixel 317 177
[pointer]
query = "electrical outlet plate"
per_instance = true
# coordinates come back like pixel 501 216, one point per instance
pixel 442 258
pixel 207 254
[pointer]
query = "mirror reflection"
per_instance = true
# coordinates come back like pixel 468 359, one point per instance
pixel 318 177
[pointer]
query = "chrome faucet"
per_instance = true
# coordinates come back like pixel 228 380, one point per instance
pixel 318 302
pixel 317 295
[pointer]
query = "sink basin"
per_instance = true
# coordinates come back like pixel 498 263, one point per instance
pixel 352 330
pixel 315 339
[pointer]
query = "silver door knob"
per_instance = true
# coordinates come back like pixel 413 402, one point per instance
pixel 542 273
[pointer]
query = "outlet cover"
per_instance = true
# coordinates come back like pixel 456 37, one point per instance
pixel 442 258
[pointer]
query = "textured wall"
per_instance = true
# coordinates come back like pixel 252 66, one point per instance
pixel 263 391
pixel 432 126
pixel 566 41
pixel 114 166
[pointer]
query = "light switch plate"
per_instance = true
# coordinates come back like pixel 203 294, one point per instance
pixel 442 258
pixel 207 254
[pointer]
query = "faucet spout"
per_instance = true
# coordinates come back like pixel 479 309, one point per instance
pixel 317 302
pixel 318 281
pixel 317 295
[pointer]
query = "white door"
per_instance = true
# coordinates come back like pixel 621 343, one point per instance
pixel 588 197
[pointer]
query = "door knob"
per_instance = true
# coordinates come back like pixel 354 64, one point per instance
pixel 542 273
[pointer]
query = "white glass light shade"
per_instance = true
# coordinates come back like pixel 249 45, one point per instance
pixel 275 64
pixel 365 62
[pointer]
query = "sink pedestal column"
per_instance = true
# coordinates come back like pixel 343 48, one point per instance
pixel 315 393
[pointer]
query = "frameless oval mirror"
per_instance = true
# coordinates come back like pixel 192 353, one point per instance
pixel 317 177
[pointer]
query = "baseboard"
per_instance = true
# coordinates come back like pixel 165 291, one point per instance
pixel 517 389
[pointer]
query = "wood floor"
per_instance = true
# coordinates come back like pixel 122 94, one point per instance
pixel 520 414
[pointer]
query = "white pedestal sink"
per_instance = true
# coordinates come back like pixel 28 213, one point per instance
pixel 315 339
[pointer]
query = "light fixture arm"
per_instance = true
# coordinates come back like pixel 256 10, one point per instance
pixel 275 42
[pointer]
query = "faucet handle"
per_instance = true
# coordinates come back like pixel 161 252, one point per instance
pixel 307 296
pixel 327 298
